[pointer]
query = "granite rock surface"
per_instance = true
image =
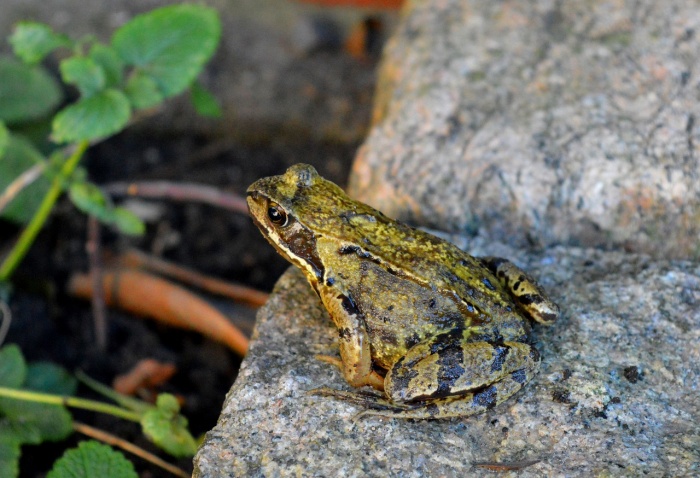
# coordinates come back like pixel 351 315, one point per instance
pixel 617 394
pixel 542 122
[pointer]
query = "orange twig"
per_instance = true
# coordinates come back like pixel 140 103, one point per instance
pixel 247 295
pixel 156 298
pixel 110 439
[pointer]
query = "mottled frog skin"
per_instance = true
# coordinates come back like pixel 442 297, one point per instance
pixel 439 332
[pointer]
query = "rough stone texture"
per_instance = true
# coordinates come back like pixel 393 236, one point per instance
pixel 542 122
pixel 277 66
pixel 617 394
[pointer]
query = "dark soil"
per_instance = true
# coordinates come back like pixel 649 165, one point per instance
pixel 49 325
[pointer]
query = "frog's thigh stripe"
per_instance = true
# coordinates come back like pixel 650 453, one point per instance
pixel 472 403
pixel 455 369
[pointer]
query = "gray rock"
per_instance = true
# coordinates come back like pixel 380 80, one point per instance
pixel 542 122
pixel 617 394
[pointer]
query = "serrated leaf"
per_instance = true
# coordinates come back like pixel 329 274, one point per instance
pixel 50 378
pixel 84 73
pixel 167 428
pixel 9 458
pixel 127 222
pixel 98 116
pixel 204 102
pixel 26 92
pixel 170 44
pixel 20 155
pixel 92 459
pixel 4 138
pixel 32 41
pixel 13 368
pixel 111 64
pixel 142 91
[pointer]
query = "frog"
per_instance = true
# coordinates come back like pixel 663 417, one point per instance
pixel 435 332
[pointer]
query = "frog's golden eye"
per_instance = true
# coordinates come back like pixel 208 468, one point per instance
pixel 277 215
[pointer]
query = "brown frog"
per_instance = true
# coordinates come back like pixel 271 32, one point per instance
pixel 439 332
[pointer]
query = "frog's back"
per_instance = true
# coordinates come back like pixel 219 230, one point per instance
pixel 324 208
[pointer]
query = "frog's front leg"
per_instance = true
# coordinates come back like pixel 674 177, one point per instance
pixel 355 354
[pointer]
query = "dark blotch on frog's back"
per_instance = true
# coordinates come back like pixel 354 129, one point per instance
pixel 348 304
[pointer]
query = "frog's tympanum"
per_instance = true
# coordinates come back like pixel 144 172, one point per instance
pixel 439 332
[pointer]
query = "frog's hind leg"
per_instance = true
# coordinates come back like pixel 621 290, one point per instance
pixel 439 380
pixel 472 403
pixel 529 295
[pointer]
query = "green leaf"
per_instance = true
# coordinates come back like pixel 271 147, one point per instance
pixel 167 428
pixel 32 41
pixel 92 459
pixel 28 422
pixel 26 92
pixel 127 222
pixel 19 432
pixel 98 116
pixel 111 64
pixel 204 102
pixel 89 198
pixel 13 368
pixel 50 422
pixel 84 73
pixel 20 155
pixel 4 138
pixel 142 91
pixel 50 378
pixel 170 44
pixel 9 458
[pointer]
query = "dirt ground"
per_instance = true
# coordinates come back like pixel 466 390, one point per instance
pixel 49 325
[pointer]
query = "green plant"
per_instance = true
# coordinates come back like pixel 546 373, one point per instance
pixel 33 409
pixel 153 57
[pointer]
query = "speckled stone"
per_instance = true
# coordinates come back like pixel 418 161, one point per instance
pixel 542 122
pixel 617 394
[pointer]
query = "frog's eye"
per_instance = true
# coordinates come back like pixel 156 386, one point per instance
pixel 277 215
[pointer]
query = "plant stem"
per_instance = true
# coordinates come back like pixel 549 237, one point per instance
pixel 74 402
pixel 30 232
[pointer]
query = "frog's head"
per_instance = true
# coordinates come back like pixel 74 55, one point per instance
pixel 290 209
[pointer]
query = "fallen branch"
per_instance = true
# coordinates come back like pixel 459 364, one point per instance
pixel 237 292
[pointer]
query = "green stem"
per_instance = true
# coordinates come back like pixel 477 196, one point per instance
pixel 74 402
pixel 26 239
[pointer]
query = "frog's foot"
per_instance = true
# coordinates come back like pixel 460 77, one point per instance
pixel 529 295
pixel 370 401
